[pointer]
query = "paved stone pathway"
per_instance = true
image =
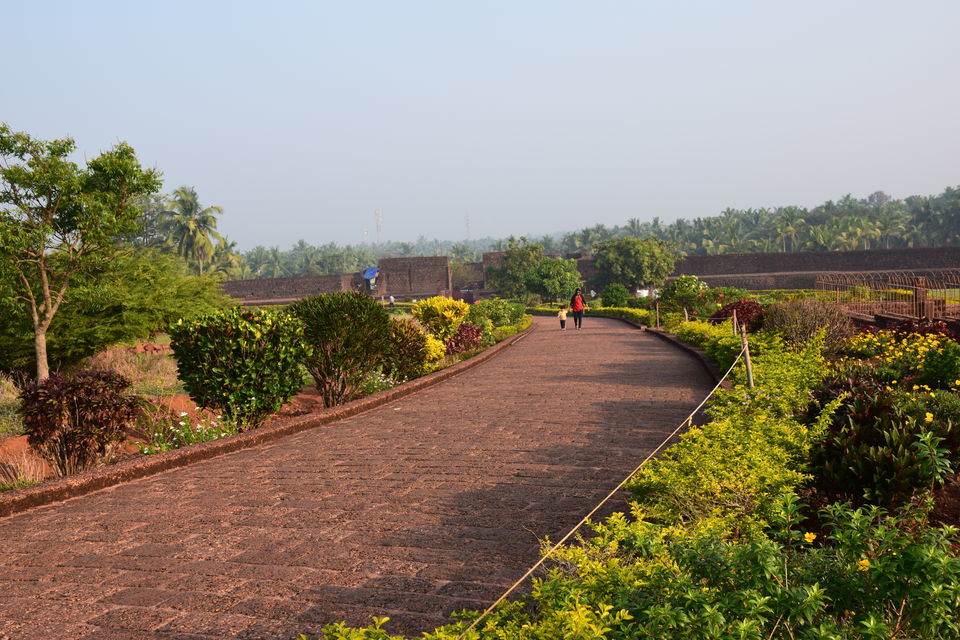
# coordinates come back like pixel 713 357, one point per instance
pixel 425 506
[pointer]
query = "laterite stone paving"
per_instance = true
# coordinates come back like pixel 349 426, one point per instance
pixel 413 510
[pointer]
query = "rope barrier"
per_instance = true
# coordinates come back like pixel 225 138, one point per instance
pixel 687 422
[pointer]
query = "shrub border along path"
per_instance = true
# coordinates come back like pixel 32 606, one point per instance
pixel 20 500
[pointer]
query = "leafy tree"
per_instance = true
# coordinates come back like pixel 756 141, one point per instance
pixel 133 297
pixel 633 262
pixel 59 220
pixel 553 279
pixel 521 256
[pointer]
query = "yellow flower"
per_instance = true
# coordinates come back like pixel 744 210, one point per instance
pixel 928 417
pixel 863 565
pixel 809 537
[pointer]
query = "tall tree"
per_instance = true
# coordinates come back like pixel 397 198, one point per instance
pixel 59 219
pixel 190 228
pixel 520 257
pixel 633 262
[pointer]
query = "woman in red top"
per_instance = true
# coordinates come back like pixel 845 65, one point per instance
pixel 577 307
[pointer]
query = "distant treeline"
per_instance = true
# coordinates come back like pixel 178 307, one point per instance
pixel 877 221
pixel 179 224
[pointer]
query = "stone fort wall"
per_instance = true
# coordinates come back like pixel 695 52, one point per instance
pixel 403 278
pixel 407 278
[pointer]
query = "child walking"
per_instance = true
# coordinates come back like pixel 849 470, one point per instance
pixel 562 314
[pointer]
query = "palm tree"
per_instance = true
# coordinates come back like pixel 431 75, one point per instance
pixel 189 228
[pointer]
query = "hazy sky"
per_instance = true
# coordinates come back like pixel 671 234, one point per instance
pixel 530 117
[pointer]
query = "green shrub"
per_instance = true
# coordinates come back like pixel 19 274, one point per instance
pixel 410 352
pixel 799 320
pixel 614 295
pixel 502 333
pixel 347 334
pixel 871 575
pixel 687 292
pixel 134 296
pixel 883 446
pixel 441 315
pixel 942 368
pixel 76 422
pixel 636 316
pixel 486 331
pixel 242 364
pixel 501 313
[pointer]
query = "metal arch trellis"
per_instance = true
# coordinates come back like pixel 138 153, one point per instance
pixel 917 294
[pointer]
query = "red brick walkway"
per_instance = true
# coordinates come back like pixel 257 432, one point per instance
pixel 421 507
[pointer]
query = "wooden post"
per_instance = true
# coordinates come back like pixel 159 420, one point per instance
pixel 657 325
pixel 736 329
pixel 746 355
pixel 686 318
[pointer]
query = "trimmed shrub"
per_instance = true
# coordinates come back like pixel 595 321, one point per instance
pixel 501 313
pixel 243 364
pixel 614 295
pixel 347 333
pixel 441 315
pixel 469 337
pixel 799 320
pixel 502 333
pixel 408 354
pixel 76 422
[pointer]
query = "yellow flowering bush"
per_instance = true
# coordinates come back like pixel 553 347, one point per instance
pixel 441 315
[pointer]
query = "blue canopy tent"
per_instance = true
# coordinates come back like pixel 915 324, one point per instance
pixel 370 275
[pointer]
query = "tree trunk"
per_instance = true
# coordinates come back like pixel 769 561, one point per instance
pixel 40 347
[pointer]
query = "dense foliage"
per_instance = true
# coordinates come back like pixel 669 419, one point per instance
pixel 58 220
pixel 469 337
pixel 500 312
pixel 614 295
pixel 634 262
pixel 76 421
pixel 243 364
pixel 411 351
pixel 126 300
pixel 746 311
pixel 347 334
pixel 441 315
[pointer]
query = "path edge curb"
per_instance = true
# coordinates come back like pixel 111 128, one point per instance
pixel 20 500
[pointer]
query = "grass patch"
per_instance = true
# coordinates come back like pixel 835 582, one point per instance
pixel 20 470
pixel 149 374
pixel 11 422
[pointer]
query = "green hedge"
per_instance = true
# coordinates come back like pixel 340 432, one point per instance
pixel 636 316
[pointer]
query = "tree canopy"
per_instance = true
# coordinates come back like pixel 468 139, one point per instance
pixel 59 220
pixel 634 262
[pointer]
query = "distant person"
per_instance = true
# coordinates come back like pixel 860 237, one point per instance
pixel 393 301
pixel 577 306
pixel 562 314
